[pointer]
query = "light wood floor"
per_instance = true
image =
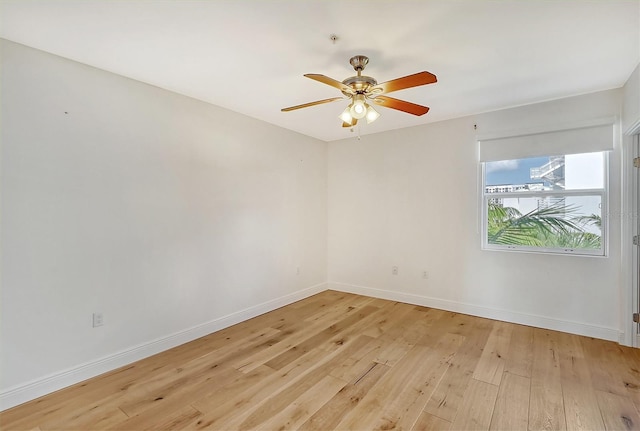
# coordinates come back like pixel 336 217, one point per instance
pixel 342 361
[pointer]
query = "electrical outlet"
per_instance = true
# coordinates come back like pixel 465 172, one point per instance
pixel 298 270
pixel 425 274
pixel 98 320
pixel 394 270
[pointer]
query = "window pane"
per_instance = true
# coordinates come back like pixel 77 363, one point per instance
pixel 570 172
pixel 584 171
pixel 547 222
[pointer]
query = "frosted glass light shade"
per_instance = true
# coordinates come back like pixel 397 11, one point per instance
pixel 346 115
pixel 358 107
pixel 372 114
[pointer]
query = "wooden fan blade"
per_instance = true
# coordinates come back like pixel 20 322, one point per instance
pixel 400 105
pixel 415 80
pixel 330 81
pixel 306 105
pixel 353 123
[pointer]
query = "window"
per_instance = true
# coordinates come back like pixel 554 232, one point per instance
pixel 547 192
pixel 551 204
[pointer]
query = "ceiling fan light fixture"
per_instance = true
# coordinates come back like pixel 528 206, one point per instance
pixel 372 114
pixel 358 107
pixel 346 116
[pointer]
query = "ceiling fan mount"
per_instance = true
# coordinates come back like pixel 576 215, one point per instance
pixel 359 62
pixel 361 88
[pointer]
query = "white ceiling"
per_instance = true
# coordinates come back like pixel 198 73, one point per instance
pixel 249 56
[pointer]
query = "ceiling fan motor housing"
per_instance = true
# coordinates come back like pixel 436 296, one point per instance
pixel 360 84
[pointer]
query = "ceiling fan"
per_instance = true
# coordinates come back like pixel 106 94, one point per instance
pixel 362 89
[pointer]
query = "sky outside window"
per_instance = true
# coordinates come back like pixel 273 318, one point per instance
pixel 583 171
pixel 512 171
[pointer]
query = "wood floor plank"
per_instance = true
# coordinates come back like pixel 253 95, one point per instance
pixel 400 338
pixel 236 401
pixel 175 420
pixel 97 419
pixel 367 413
pixel 415 325
pixel 477 406
pixel 492 361
pixel 279 401
pixel 438 322
pixel 581 407
pixel 386 321
pixel 569 345
pixel 579 398
pixel 411 327
pixel 397 400
pixel 166 407
pixel 403 410
pixel 448 396
pixel 632 363
pixel 309 324
pixel 299 409
pixel 318 339
pixel 357 328
pixel 328 297
pixel 520 354
pixel 361 359
pixel 232 389
pixel 293 336
pixel 343 361
pixel 328 417
pixel 209 367
pixel 616 363
pixel 429 422
pixel 618 412
pixel 511 411
pixel 332 312
pixel 271 395
pixel 546 405
pixel 604 373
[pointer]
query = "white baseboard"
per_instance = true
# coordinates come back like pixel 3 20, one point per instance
pixel 611 334
pixel 53 382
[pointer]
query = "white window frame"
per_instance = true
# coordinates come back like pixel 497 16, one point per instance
pixel 604 196
pixel 584 136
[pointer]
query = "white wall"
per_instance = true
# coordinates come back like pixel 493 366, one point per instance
pixel 631 103
pixel 171 216
pixel 410 198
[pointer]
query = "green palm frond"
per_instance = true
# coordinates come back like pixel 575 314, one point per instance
pixel 593 219
pixel 552 226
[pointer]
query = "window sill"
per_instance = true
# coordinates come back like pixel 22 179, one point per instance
pixel 553 252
